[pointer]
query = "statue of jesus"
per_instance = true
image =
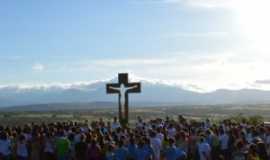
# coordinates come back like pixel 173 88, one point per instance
pixel 122 91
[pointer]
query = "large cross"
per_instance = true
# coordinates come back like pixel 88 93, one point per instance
pixel 123 88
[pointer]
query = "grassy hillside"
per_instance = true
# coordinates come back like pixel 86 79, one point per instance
pixel 12 117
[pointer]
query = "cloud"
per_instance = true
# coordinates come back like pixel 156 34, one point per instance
pixel 195 3
pixel 211 3
pixel 132 62
pixel 44 86
pixel 38 67
pixel 267 81
pixel 199 35
pixel 208 71
pixel 180 68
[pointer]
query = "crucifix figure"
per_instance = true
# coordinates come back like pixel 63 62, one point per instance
pixel 123 88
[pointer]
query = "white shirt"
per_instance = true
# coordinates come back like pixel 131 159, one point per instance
pixel 139 125
pixel 115 125
pixel 204 150
pixel 156 145
pixel 224 141
pixel 171 132
pixel 5 146
pixel 160 136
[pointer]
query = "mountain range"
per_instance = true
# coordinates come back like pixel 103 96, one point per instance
pixel 153 93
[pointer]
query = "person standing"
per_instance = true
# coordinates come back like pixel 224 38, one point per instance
pixel 81 149
pixel 224 144
pixel 21 148
pixel 62 146
pixel 5 146
pixel 94 151
pixel 49 148
pixel 132 147
pixel 252 153
pixel 115 124
pixel 172 152
pixel 148 148
pixel 204 150
pixel 121 153
pixel 35 145
pixel 156 145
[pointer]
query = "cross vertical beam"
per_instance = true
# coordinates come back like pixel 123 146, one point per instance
pixel 123 88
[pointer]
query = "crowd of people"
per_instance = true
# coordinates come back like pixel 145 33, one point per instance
pixel 158 139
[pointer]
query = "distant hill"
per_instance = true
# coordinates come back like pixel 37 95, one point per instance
pixel 59 106
pixel 153 93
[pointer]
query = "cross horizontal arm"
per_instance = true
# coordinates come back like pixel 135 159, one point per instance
pixel 110 88
pixel 134 87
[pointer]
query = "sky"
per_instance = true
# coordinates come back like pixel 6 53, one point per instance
pixel 209 44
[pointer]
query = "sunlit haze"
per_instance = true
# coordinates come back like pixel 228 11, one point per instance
pixel 210 44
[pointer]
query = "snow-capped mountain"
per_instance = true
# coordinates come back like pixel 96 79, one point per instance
pixel 153 92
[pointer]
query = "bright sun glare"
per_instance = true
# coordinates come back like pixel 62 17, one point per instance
pixel 254 19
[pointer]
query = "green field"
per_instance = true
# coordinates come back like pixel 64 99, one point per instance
pixel 191 112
